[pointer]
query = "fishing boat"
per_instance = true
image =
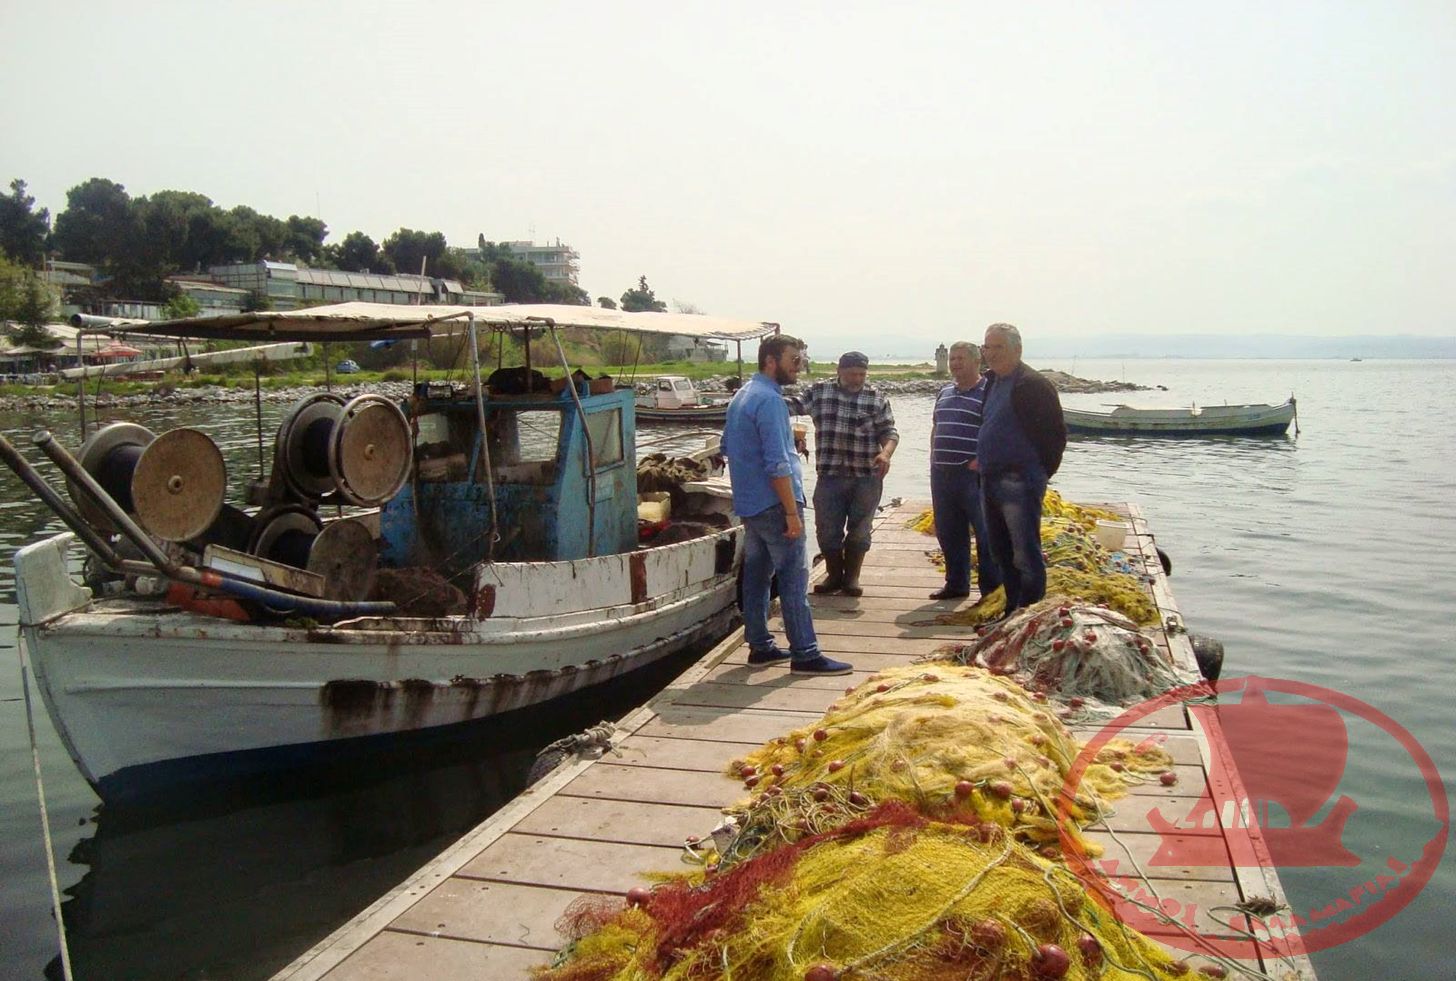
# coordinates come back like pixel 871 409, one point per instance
pixel 483 557
pixel 1206 420
pixel 673 398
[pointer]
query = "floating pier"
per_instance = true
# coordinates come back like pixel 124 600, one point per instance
pixel 487 906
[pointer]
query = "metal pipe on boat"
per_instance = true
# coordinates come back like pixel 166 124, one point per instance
pixel 69 466
pixel 93 539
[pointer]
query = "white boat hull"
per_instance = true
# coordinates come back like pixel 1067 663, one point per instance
pixel 1213 420
pixel 135 686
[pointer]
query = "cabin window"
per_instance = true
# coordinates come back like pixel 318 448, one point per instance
pixel 606 438
pixel 442 447
pixel 523 446
pixel 664 385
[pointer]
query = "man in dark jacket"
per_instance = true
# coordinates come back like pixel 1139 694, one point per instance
pixel 1019 448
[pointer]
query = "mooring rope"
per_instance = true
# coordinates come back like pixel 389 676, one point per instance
pixel 45 819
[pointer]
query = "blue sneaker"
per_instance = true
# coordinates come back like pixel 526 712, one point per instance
pixel 774 655
pixel 820 665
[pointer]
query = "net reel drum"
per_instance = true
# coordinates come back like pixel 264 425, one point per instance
pixel 359 449
pixel 343 551
pixel 172 484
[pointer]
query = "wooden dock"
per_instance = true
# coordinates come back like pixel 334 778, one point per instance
pixel 487 905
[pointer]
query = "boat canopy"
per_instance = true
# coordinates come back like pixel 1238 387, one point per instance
pixel 385 321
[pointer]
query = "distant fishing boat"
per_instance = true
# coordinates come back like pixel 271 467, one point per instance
pixel 674 399
pixel 1209 420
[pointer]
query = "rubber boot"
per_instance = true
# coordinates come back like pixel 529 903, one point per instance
pixel 834 582
pixel 852 563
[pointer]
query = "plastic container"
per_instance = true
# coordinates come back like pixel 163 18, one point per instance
pixel 1111 535
pixel 654 507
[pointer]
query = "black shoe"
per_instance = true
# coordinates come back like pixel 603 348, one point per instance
pixel 946 592
pixel 820 665
pixel 774 655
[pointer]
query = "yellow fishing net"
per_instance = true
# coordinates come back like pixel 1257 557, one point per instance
pixel 1078 568
pixel 949 740
pixel 891 896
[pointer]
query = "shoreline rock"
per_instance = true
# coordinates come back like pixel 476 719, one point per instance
pixel 214 395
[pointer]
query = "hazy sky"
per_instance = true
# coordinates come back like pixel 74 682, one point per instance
pixel 843 168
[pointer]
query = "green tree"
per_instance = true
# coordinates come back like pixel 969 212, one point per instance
pixel 569 293
pixel 23 230
pixel 409 249
pixel 606 303
pixel 258 236
pixel 27 301
pixel 306 238
pixel 180 307
pixel 642 299
pixel 359 253
pixel 98 222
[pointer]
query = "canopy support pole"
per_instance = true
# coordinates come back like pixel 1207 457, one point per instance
pixel 590 461
pixel 484 439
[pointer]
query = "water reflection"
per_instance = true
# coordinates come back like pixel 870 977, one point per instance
pixel 239 880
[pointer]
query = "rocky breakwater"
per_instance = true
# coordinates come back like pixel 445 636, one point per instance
pixel 890 385
pixel 165 393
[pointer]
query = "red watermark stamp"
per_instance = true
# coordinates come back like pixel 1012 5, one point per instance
pixel 1273 766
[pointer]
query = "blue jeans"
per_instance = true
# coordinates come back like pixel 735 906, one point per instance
pixel 767 552
pixel 1012 502
pixel 841 501
pixel 955 494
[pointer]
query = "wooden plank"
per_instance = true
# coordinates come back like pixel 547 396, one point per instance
pixel 1192 782
pixel 1195 901
pixel 630 822
pixel 1133 853
pixel 650 785
pixel 1134 813
pixel 785 698
pixel 836 609
pixel 570 863
pixel 750 725
pixel 397 956
pixel 680 754
pixel 778 676
pixel 861 662
pixel 492 912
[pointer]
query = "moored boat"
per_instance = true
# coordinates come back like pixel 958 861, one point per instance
pixel 673 398
pixel 242 641
pixel 1209 420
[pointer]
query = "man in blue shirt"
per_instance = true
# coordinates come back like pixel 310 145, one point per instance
pixel 955 485
pixel 768 495
pixel 1022 438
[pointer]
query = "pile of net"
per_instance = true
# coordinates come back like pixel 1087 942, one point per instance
pixel 891 895
pixel 1086 656
pixel 660 472
pixel 1078 568
pixel 951 741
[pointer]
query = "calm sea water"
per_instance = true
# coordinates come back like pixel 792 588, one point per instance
pixel 1329 559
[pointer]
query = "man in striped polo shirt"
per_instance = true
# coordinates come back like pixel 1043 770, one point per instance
pixel 955 484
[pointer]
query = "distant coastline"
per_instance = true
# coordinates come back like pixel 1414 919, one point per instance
pixel 1203 346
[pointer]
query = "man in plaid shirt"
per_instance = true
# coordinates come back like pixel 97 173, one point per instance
pixel 854 438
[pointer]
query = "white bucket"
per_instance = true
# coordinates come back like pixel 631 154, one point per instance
pixel 1111 534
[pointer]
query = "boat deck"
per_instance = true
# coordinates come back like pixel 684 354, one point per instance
pixel 486 907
